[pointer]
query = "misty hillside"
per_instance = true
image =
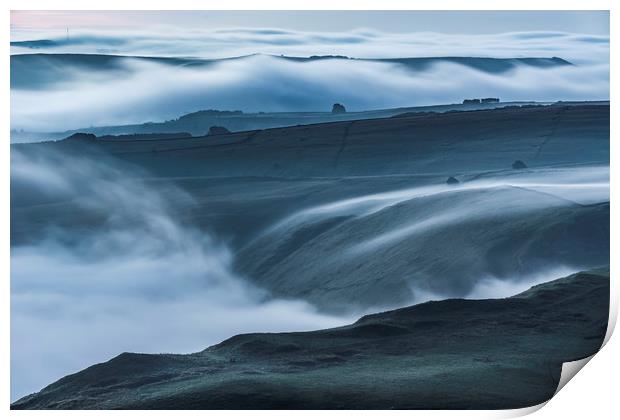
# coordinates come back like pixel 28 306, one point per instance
pixel 452 354
pixel 424 246
pixel 305 208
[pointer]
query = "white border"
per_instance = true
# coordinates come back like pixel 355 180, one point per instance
pixel 593 394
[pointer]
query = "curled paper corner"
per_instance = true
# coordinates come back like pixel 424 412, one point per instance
pixel 613 317
pixel 569 370
pixel 522 412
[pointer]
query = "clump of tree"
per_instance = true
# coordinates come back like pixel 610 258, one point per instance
pixel 338 109
pixel 81 137
pixel 480 101
pixel 216 130
pixel 208 113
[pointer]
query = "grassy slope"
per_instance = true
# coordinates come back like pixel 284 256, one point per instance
pixel 451 143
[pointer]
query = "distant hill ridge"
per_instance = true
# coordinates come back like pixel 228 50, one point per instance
pixel 199 122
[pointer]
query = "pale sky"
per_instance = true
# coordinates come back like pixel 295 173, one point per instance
pixel 450 22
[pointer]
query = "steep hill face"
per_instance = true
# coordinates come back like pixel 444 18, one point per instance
pixel 444 245
pixel 451 354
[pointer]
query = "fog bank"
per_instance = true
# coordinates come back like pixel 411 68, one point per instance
pixel 140 282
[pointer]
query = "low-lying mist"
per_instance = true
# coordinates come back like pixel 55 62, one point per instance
pixel 585 184
pixel 136 280
pixel 155 92
pixel 491 236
